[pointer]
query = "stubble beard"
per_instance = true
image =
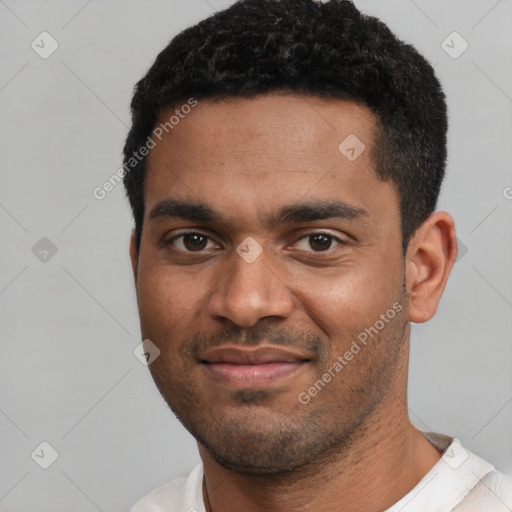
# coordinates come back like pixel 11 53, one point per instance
pixel 262 441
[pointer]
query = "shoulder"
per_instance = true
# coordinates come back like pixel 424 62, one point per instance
pixel 180 495
pixel 493 493
pixel 460 482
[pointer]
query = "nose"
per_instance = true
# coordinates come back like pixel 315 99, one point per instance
pixel 248 292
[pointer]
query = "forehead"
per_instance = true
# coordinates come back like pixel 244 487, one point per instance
pixel 249 155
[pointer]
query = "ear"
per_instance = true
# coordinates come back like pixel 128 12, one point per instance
pixel 134 256
pixel 429 260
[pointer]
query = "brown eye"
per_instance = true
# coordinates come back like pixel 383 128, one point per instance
pixel 195 242
pixel 318 242
pixel 192 242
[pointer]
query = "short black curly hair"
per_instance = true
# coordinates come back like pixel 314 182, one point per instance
pixel 328 50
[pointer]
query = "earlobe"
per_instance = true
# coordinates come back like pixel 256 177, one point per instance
pixel 134 256
pixel 430 257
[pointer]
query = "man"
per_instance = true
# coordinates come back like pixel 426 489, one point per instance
pixel 283 169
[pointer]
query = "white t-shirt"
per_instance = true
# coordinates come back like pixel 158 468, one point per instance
pixel 459 482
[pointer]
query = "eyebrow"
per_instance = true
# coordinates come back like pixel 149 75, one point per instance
pixel 295 213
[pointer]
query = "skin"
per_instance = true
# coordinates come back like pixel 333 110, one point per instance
pixel 352 447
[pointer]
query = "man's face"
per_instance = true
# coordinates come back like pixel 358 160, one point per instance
pixel 272 237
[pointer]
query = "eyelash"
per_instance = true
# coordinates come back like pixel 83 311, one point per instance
pixel 339 241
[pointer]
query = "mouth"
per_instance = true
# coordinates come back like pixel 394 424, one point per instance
pixel 252 368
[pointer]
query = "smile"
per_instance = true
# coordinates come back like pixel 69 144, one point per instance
pixel 252 368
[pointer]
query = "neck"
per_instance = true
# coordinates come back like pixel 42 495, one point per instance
pixel 384 461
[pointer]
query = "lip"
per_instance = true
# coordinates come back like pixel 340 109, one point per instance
pixel 251 355
pixel 251 367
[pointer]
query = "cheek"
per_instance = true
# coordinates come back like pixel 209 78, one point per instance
pixel 168 302
pixel 348 299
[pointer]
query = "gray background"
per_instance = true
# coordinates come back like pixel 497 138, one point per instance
pixel 68 375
